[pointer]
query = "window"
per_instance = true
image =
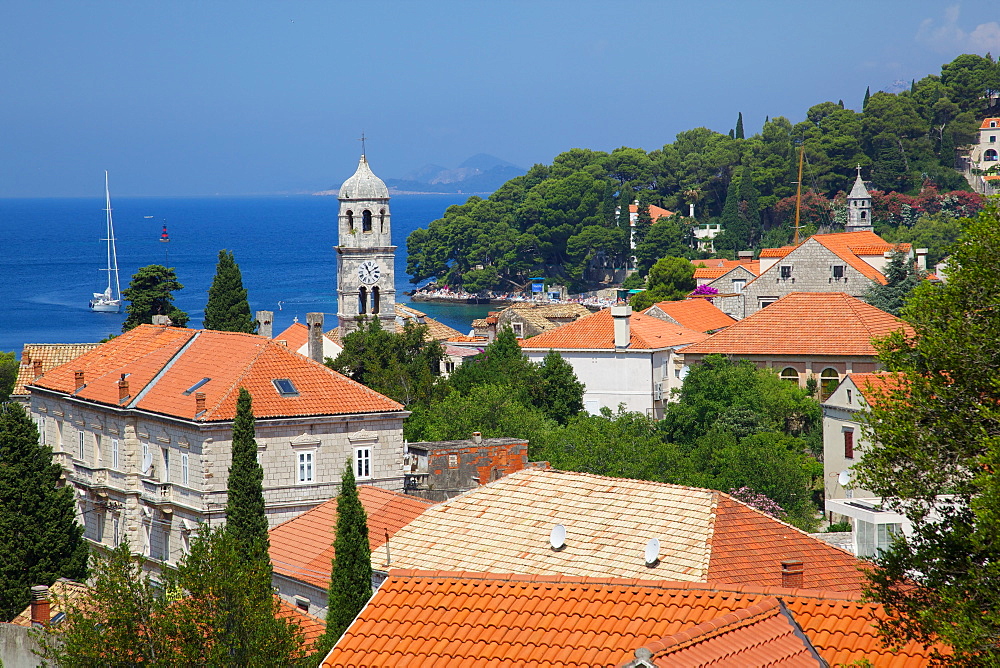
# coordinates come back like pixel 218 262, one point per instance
pixel 115 538
pixel 829 379
pixel 363 462
pixel 837 271
pixel 449 367
pixel 993 139
pixel 786 271
pixel 518 329
pixel 990 155
pixel 146 459
pixel 80 445
pixel 849 398
pixel 874 538
pixel 864 214
pixel 114 454
pixel 305 466
pixel 790 374
pixel 764 302
pixel 285 387
pixel 166 465
pixel 375 304
pixel 381 221
pixel 350 220
pixel 41 429
pixel 739 284
pixel 196 386
pixel 362 300
pixel 185 478
pixel 849 444
pixel 366 221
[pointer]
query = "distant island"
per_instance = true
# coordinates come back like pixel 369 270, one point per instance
pixel 480 174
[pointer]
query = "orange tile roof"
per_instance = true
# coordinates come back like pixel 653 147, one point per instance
pixel 162 363
pixel 62 592
pixel 302 547
pixel 986 123
pixel 843 244
pixel 705 536
pixel 992 177
pixel 295 335
pixel 701 315
pixel 311 627
pixel 777 252
pixel 879 249
pixel 597 332
pixel 716 267
pixel 805 323
pixel 436 329
pixel 762 634
pixel 468 339
pixel 655 212
pixel 420 618
pixel 878 385
pixel 50 355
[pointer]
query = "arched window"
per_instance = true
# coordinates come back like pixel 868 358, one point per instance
pixel 350 220
pixel 381 221
pixel 790 374
pixel 829 379
pixel 366 221
pixel 375 299
pixel 864 214
pixel 362 300
pixel 990 155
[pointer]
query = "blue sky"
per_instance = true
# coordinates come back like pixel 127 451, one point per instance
pixel 231 98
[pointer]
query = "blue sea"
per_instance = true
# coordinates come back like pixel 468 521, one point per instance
pixel 51 256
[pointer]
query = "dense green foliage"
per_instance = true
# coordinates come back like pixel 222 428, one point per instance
pixel 40 539
pixel 351 580
pixel 246 520
pixel 403 366
pixel 560 220
pixel 901 278
pixel 939 433
pixel 8 374
pixel 151 293
pixel 227 309
pixel 216 609
pixel 671 278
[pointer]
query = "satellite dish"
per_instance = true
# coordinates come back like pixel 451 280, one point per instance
pixel 844 478
pixel 652 552
pixel 557 539
pixel 147 461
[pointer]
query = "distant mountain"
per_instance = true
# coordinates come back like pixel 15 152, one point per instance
pixel 481 173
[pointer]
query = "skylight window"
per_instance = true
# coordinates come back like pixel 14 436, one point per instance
pixel 285 387
pixel 196 386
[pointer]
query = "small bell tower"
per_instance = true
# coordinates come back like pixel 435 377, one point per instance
pixel 859 207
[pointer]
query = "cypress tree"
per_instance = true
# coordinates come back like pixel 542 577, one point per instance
pixel 245 517
pixel 739 126
pixel 750 209
pixel 625 199
pixel 868 94
pixel 732 133
pixel 351 581
pixel 40 539
pixel 227 309
pixel 644 220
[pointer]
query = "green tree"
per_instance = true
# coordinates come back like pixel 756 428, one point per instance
pixel 559 393
pixel 501 363
pixel 868 94
pixel 671 278
pixel 151 293
pixel 901 278
pixel 937 434
pixel 644 221
pixel 40 539
pixel 351 580
pixel 665 239
pixel 935 232
pixel 246 520
pixel 493 410
pixel 739 127
pixel 8 374
pixel 227 309
pixel 403 366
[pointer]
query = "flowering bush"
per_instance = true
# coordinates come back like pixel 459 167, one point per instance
pixel 705 291
pixel 759 501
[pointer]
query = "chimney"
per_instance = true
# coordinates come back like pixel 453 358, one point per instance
pixel 199 402
pixel 477 437
pixel 162 320
pixel 39 605
pixel 26 358
pixel 791 573
pixel 37 364
pixel 921 259
pixel 264 319
pixel 745 256
pixel 122 388
pixel 78 379
pixel 315 323
pixel 621 316
pixel 691 210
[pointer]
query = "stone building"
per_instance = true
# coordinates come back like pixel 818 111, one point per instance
pixel 142 427
pixel 365 255
pixel 528 319
pixel 439 470
pixel 859 208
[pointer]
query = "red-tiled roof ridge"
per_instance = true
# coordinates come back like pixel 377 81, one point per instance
pixel 763 608
pixel 596 332
pixel 986 123
pixel 295 335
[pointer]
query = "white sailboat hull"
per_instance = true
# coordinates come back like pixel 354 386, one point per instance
pixel 102 306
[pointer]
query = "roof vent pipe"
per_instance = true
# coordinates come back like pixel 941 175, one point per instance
pixel 792 572
pixel 622 316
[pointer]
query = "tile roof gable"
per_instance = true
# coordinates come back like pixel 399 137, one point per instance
pixel 700 315
pixel 596 332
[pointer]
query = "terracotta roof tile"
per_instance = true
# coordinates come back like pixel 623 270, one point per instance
pixel 986 122
pixel 295 336
pixel 431 618
pixel 162 363
pixel 701 315
pixel 655 212
pixel 61 592
pixel 596 332
pixel 311 627
pixel 436 329
pixel 715 267
pixel 777 252
pixel 805 323
pixel 50 355
pixel 302 547
pixel 842 243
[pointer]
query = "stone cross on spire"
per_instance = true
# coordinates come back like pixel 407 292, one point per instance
pixel 362 140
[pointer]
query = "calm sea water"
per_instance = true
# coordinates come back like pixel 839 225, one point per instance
pixel 51 254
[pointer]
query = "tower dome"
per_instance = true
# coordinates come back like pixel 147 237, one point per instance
pixel 363 184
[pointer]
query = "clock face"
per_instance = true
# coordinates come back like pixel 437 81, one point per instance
pixel 369 272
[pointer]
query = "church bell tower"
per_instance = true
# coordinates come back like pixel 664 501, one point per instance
pixel 366 285
pixel 859 207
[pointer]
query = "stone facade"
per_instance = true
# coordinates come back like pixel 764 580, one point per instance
pixel 440 470
pixel 152 479
pixel 731 286
pixel 365 255
pixel 844 440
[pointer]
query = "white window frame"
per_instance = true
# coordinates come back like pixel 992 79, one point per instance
pixel 81 445
pixel 185 469
pixel 739 284
pixel 305 467
pixel 363 462
pixel 166 464
pixel 115 454
pixel 41 430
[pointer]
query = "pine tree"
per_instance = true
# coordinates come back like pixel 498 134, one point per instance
pixel 40 539
pixel 227 309
pixel 151 293
pixel 644 221
pixel 739 126
pixel 625 199
pixel 868 94
pixel 351 581
pixel 246 520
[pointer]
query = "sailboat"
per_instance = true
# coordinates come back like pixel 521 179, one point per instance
pixel 108 301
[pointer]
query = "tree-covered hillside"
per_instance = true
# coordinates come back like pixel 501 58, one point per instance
pixel 559 220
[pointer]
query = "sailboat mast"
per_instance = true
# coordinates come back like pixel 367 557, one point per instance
pixel 112 251
pixel 798 195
